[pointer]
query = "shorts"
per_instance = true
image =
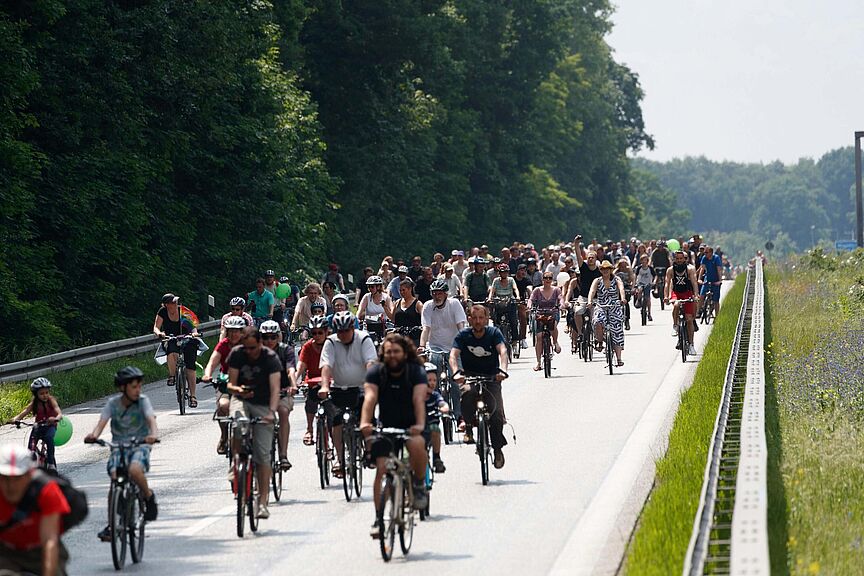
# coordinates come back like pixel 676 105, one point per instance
pixel 311 405
pixel 345 399
pixel 287 402
pixel 382 446
pixel 713 289
pixel 139 455
pixel 580 306
pixel 190 351
pixel 689 307
pixel 262 436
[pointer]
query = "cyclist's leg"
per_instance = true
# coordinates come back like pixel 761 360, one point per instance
pixel 138 466
pixel 513 318
pixel 190 354
pixel 171 359
pixel 496 419
pixel 417 455
pixel 47 433
pixel 311 408
pixel 555 320
pixel 715 290
pixel 523 322
pixel 286 405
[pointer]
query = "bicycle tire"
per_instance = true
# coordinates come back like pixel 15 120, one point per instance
pixel 117 523
pixel 276 468
pixel 644 309
pixel 252 496
pixel 348 457
pixel 406 527
pixel 387 518
pixel 180 388
pixel 483 449
pixel 590 340
pixel 240 482
pixel 321 452
pixel 447 428
pixel 547 355
pixel 359 463
pixel 135 515
pixel 682 339
pixel 610 353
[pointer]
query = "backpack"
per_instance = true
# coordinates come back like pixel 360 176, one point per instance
pixel 76 498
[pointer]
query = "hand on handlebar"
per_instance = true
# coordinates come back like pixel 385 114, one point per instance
pixel 323 392
pixel 151 439
pixel 415 430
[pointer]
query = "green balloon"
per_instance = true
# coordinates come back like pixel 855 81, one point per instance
pixel 64 432
pixel 673 244
pixel 283 291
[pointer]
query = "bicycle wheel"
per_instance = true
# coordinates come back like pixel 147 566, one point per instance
pixel 645 308
pixel 589 338
pixel 180 384
pixel 447 427
pixel 682 340
pixel 252 496
pixel 242 494
pixel 359 463
pixel 348 467
pixel 321 453
pixel 117 509
pixel 610 353
pixel 547 355
pixel 505 329
pixel 483 449
pixel 406 527
pixel 135 514
pixel 276 475
pixel 387 517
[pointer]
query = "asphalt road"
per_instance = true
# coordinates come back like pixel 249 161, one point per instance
pixel 565 502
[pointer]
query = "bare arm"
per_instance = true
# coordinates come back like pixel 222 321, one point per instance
pixel 593 291
pixel 49 536
pixel 370 400
pixel 693 280
pixel 57 410
pixel 419 401
pixel 215 359
pixel 361 310
pixel 157 326
pixel 24 413
pixel 502 357
pixel 667 285
pixel 578 252
pixel 97 430
pixel 454 360
pixel 275 388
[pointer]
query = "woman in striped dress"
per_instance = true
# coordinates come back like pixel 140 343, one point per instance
pixel 608 291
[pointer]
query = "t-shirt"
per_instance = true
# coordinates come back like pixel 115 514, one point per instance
pixel 434 400
pixel 348 362
pixel 525 285
pixel 310 355
pixel 262 302
pixel 288 359
pixel 255 374
pixel 224 350
pixel 172 327
pixel 396 393
pixel 586 278
pixel 128 422
pixel 502 289
pixel 442 322
pixel 479 355
pixel 712 267
pixel 478 286
pixel 25 534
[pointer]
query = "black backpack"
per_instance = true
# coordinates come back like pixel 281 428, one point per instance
pixel 76 498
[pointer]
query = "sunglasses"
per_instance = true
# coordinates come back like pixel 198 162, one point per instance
pixel 318 333
pixel 237 309
pixel 547 278
pixel 269 336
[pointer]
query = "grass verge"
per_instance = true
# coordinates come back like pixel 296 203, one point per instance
pixel 85 383
pixel 663 533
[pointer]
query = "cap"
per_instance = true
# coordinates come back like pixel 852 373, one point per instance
pixel 402 269
pixel 16 460
pixel 484 247
pixel 522 267
pixel 606 264
pixel 169 297
pixel 460 253
pixel 454 253
pixel 448 267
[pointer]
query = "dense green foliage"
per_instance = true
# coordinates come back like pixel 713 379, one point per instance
pixel 184 146
pixel 742 206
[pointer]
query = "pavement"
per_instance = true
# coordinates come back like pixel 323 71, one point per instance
pixel 575 479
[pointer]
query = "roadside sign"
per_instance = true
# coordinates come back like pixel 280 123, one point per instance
pixel 840 245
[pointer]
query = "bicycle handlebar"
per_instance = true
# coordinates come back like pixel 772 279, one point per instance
pixel 116 445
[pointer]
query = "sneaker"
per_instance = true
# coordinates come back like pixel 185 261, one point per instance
pixel 524 344
pixel 151 511
pixel 105 534
pixel 650 319
pixel 626 324
pixel 692 350
pixel 498 462
pixel 675 332
pixel 438 466
pixel 375 531
pixel 421 500
pixel 263 512
pixel 468 437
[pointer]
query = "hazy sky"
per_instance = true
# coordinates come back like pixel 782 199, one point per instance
pixel 754 80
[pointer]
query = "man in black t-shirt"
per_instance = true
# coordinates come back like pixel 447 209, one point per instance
pixel 482 352
pixel 525 286
pixel 588 272
pixel 397 385
pixel 253 381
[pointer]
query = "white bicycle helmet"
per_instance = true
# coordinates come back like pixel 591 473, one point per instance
pixel 374 281
pixel 16 460
pixel 342 321
pixel 234 323
pixel 237 301
pixel 38 384
pixel 317 322
pixel 269 327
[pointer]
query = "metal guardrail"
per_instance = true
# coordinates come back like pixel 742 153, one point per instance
pixel 35 367
pixel 730 529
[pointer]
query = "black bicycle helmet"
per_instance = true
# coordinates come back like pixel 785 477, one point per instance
pixel 439 285
pixel 237 301
pixel 127 374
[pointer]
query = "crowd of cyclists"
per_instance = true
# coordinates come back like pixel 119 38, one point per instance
pixel 421 339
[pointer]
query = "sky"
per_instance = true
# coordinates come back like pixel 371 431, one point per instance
pixel 745 80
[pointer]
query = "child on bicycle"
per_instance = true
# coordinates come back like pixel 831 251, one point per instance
pixel 434 401
pixel 47 412
pixel 131 416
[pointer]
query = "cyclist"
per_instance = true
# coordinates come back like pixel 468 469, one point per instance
pixel 661 260
pixel 405 312
pixel 361 289
pixel 345 358
pixel 505 287
pixel 131 415
pixel 329 290
pixel 262 302
pixel 46 410
pixel 525 287
pixel 588 272
pixel 422 284
pixel 270 336
pixel 454 285
pixel 393 286
pixel 270 282
pixel 340 304
pixel 291 301
pixel 385 272
pixel 459 263
pixel 416 269
pixel 545 300
pixel 375 306
pixel 32 544
pixel 645 276
pixel 711 266
pixel 334 277
pixel 303 310
pixel 434 401
pixel 533 273
pixel 625 274
pixel 476 284
pixel 309 369
pixel 238 306
pixel 608 290
pixel 482 352
pixel 681 284
pixel 233 327
pixel 442 319
pixel 254 382
pixel 167 323
pixel 397 385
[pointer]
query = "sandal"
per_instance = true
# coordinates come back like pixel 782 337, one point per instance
pixel 170 381
pixel 620 362
pixel 307 439
pixel 284 464
pixel 337 471
pixel 599 346
pixel 193 402
pixel 537 368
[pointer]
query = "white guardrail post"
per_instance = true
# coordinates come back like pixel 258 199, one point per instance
pixel 749 547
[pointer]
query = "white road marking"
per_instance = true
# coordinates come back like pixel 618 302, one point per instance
pixel 208 521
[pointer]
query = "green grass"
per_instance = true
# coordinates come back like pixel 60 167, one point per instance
pixel 661 538
pixel 85 383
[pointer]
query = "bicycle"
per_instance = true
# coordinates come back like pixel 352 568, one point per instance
pixel 439 358
pixel 275 464
pixel 322 451
pixel 545 319
pixel 482 416
pixel 683 334
pixel 126 507
pixel 607 336
pixel 245 484
pixel 706 314
pixel 499 308
pixel 352 442
pixel 659 283
pixel 645 299
pixel 430 456
pixel 36 445
pixel 586 338
pixel 396 504
pixel 181 383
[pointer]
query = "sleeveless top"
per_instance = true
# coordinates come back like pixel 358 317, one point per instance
pixel 501 290
pixel 43 410
pixel 681 280
pixel 608 295
pixel 541 302
pixel 373 309
pixel 406 317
